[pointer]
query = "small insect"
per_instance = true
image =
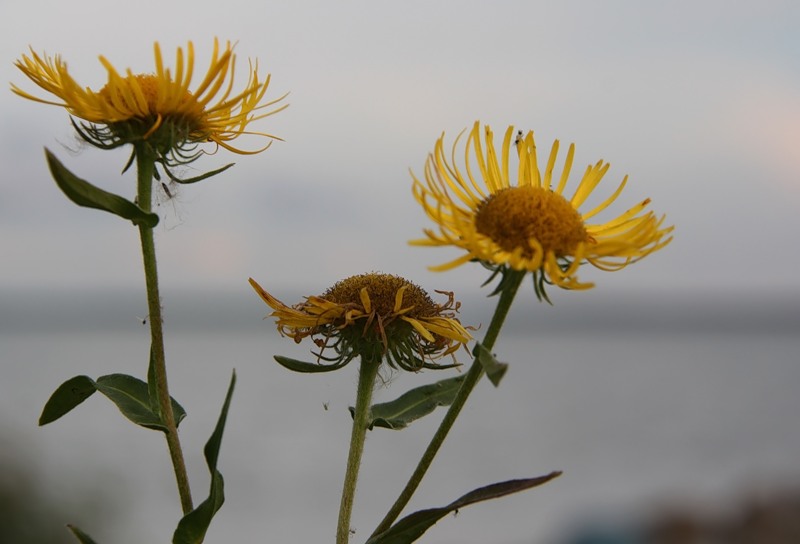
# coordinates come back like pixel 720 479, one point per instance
pixel 143 320
pixel 169 193
pixel 519 138
pixel 455 513
pixel 352 531
pixel 326 405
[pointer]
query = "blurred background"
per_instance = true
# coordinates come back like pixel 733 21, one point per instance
pixel 667 394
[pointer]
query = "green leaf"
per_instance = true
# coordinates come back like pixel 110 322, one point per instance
pixel 68 395
pixel 495 370
pixel 300 366
pixel 82 537
pixel 192 528
pixel 132 397
pixel 195 179
pixel 414 404
pixel 413 526
pixel 83 193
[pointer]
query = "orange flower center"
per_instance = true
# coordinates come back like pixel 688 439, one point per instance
pixel 152 88
pixel 382 290
pixel 513 216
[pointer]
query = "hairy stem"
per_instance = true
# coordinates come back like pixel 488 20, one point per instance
pixel 366 383
pixel 145 169
pixel 470 380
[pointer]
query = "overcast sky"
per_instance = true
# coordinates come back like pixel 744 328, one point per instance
pixel 699 102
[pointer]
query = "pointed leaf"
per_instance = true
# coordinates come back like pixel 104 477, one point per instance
pixel 82 537
pixel 414 404
pixel 68 395
pixel 83 193
pixel 132 397
pixel 413 526
pixel 495 370
pixel 192 528
pixel 300 366
pixel 195 179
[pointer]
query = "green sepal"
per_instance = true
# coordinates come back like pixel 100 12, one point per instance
pixel 300 366
pixel 413 526
pixel 83 193
pixel 193 526
pixel 66 397
pixel 495 370
pixel 132 397
pixel 414 404
pixel 540 281
pixel 82 537
pixel 195 179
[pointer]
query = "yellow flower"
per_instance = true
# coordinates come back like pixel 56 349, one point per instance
pixel 528 225
pixel 373 316
pixel 158 107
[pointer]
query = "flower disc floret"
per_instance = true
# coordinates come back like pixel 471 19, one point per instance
pixel 522 219
pixel 373 316
pixel 383 290
pixel 531 218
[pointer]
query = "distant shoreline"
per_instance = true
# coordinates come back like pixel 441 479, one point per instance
pixel 38 311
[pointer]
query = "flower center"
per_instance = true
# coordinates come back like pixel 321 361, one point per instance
pixel 152 88
pixel 382 290
pixel 513 216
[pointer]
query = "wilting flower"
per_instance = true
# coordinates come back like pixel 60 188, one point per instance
pixel 528 224
pixel 373 316
pixel 158 108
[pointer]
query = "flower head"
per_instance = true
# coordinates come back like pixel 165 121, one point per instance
pixel 373 316
pixel 159 107
pixel 529 224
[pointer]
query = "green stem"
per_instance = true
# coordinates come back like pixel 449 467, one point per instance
pixel 366 383
pixel 474 374
pixel 145 169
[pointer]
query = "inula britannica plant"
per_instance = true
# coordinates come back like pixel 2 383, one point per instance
pixel 491 205
pixel 377 318
pixel 503 212
pixel 168 121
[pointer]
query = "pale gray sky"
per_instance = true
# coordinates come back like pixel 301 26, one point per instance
pixel 699 102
